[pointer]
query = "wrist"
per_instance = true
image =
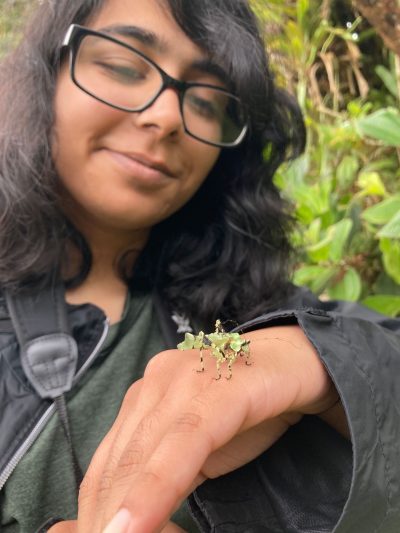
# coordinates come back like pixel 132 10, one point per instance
pixel 299 381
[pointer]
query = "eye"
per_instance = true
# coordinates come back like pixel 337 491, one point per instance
pixel 111 60
pixel 124 73
pixel 207 108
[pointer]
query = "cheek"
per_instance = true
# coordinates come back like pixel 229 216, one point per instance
pixel 203 161
pixel 78 121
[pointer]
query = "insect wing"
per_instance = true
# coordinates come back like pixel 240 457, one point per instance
pixel 236 345
pixel 188 343
pixel 246 347
pixel 217 339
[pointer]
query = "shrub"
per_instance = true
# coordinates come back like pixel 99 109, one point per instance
pixel 345 190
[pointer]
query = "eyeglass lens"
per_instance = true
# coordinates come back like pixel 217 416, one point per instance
pixel 122 78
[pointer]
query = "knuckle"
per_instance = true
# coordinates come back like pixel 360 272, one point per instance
pixel 202 404
pixel 149 424
pixel 152 477
pixel 187 422
pixel 86 490
pixel 105 485
pixel 98 480
pixel 154 363
pixel 159 363
pixel 131 394
pixel 130 460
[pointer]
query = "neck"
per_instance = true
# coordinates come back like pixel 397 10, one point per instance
pixel 103 286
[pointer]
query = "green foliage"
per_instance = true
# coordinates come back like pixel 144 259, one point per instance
pixel 345 189
pixel 12 14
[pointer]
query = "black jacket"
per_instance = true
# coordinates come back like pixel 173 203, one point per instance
pixel 312 480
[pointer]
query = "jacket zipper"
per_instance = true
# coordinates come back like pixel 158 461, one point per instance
pixel 22 450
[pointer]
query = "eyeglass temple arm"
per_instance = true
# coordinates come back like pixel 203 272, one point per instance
pixel 67 37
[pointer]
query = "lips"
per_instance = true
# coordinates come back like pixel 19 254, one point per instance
pixel 144 161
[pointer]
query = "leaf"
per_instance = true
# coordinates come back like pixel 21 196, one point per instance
pixel 302 7
pixel 384 303
pixel 348 288
pixel 311 235
pixel 388 79
pixel 383 125
pixel 320 251
pixel 305 274
pixel 382 213
pixel 392 228
pixel 347 170
pixel 315 277
pixel 316 198
pixel 386 285
pixel 391 258
pixel 370 183
pixel 340 235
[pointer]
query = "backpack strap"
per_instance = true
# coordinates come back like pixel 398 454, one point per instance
pixel 49 354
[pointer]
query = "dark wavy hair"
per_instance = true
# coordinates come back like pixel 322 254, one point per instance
pixel 226 252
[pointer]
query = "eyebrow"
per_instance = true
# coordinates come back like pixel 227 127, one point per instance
pixel 146 37
pixel 152 40
pixel 207 66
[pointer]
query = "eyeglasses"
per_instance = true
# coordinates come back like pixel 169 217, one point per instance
pixel 122 77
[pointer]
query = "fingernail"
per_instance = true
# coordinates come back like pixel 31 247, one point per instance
pixel 120 523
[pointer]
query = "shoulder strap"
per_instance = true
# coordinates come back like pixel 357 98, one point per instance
pixel 49 354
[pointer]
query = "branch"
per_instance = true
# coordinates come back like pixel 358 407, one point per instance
pixel 384 15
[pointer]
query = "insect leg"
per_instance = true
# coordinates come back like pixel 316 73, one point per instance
pixel 230 361
pixel 218 371
pixel 201 361
pixel 248 362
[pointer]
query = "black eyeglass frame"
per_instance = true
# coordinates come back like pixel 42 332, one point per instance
pixel 72 41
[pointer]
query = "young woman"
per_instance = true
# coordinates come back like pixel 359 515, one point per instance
pixel 138 144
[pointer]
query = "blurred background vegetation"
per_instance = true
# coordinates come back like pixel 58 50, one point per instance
pixel 345 189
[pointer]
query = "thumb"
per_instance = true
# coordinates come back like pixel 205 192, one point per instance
pixel 171 527
pixel 70 526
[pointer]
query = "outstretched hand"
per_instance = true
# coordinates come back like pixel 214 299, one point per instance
pixel 177 427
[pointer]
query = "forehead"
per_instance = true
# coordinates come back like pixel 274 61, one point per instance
pixel 155 18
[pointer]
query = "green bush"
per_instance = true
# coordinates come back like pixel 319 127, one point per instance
pixel 12 13
pixel 345 189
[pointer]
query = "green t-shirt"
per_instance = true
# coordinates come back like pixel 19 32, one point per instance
pixel 43 484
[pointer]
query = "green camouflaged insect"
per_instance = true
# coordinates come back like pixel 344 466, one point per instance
pixel 223 346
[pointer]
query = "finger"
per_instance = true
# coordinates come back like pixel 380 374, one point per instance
pixel 87 508
pixel 204 392
pixel 213 418
pixel 137 438
pixel 139 414
pixel 246 446
pixel 165 478
pixel 69 526
pixel 135 443
pixel 172 528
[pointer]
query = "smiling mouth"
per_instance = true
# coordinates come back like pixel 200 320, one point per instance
pixel 146 162
pixel 141 167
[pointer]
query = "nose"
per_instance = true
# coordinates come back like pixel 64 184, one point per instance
pixel 163 116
